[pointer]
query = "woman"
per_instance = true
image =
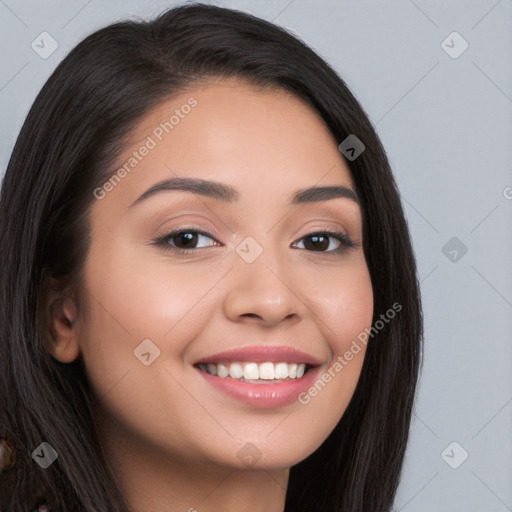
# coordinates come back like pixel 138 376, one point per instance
pixel 272 368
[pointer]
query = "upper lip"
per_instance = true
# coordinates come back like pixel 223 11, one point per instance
pixel 262 354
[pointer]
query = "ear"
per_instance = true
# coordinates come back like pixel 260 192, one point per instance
pixel 60 322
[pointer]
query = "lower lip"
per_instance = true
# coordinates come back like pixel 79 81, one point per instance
pixel 262 395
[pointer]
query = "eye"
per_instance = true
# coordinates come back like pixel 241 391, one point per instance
pixel 319 241
pixel 185 241
pixel 182 240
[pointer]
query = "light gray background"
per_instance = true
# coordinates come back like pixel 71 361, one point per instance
pixel 446 124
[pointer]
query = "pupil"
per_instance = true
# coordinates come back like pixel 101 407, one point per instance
pixel 186 236
pixel 316 244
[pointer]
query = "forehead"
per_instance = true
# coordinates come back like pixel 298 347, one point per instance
pixel 234 132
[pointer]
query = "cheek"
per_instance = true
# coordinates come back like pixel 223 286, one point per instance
pixel 344 307
pixel 146 297
pixel 343 303
pixel 132 298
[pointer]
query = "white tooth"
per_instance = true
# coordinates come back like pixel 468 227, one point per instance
pixel 281 371
pixel 222 371
pixel 235 371
pixel 251 371
pixel 255 371
pixel 266 371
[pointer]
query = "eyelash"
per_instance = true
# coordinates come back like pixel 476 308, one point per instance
pixel 162 241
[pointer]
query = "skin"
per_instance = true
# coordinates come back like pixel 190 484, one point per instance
pixel 170 438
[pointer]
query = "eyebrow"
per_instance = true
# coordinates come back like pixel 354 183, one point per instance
pixel 228 194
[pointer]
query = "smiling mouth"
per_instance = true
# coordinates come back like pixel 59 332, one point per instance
pixel 256 373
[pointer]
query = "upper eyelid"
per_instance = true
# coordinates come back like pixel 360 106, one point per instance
pixel 201 231
pixel 331 216
pixel 329 225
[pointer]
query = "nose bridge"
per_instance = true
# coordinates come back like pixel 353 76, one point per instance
pixel 260 284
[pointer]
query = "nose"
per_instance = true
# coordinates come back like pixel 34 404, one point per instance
pixel 262 293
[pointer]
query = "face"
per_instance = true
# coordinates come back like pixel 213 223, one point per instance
pixel 174 278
